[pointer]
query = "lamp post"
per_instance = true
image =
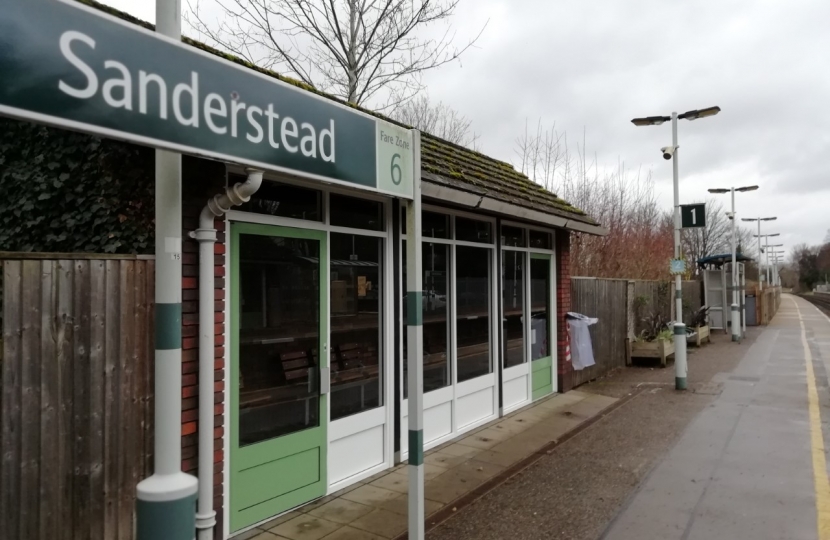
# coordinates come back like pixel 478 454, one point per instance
pixel 772 257
pixel 758 236
pixel 670 152
pixel 766 264
pixel 736 328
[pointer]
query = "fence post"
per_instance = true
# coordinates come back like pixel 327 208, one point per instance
pixel 629 320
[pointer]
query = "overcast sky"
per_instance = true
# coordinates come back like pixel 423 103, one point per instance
pixel 596 64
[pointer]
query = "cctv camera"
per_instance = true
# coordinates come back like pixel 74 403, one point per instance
pixel 668 151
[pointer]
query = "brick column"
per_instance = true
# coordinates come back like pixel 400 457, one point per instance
pixel 564 368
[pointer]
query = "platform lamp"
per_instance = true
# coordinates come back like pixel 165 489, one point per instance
pixel 670 152
pixel 772 261
pixel 763 250
pixel 758 236
pixel 736 328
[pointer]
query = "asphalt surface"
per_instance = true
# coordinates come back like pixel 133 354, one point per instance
pixel 577 490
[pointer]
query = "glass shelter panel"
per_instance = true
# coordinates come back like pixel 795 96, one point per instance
pixel 436 316
pixel 473 230
pixel 473 312
pixel 356 292
pixel 539 239
pixel 356 213
pixel 283 200
pixel 279 379
pixel 512 236
pixel 513 302
pixel 539 308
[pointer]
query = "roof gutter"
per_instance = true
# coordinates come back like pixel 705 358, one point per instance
pixel 483 202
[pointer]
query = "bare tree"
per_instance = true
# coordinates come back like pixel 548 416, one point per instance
pixel 350 48
pixel 639 242
pixel 436 119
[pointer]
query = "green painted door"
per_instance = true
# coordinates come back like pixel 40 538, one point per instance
pixel 541 339
pixel 278 330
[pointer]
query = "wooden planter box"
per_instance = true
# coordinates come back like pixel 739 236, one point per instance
pixel 651 349
pixel 701 334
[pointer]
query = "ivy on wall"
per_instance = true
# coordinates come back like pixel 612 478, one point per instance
pixel 62 191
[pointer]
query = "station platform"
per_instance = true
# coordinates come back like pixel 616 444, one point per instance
pixel 753 464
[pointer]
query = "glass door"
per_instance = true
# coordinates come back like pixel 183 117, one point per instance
pixel 540 325
pixel 278 375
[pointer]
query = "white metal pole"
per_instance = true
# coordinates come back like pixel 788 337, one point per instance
pixel 414 343
pixel 775 276
pixel 735 321
pixel 680 367
pixel 166 501
pixel 760 275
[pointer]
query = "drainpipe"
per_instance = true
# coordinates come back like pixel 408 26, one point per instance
pixel 206 236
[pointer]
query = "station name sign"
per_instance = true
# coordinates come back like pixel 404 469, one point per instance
pixel 68 65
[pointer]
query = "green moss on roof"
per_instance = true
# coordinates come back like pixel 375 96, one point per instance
pixel 456 164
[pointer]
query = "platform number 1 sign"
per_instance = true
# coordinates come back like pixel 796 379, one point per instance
pixel 692 215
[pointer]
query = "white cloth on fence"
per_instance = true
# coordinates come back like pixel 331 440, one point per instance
pixel 582 353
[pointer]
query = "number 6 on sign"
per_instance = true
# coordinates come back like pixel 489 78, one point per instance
pixel 394 160
pixel 692 215
pixel 397 175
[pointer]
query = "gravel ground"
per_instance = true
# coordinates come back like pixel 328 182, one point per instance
pixel 577 490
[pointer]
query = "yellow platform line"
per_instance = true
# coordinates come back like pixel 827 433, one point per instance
pixel 820 480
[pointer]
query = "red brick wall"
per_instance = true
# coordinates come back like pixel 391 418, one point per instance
pixel 201 180
pixel 564 368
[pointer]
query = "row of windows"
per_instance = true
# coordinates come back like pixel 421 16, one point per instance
pixel 275 270
pixel 284 200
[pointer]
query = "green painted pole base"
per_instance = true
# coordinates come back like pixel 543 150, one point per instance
pixel 166 520
pixel 680 383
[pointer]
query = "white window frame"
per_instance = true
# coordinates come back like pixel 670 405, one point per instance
pixel 357 422
pixel 523 369
pixel 455 391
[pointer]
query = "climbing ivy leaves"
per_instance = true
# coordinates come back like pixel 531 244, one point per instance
pixel 68 192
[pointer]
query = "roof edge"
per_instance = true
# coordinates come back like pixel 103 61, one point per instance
pixel 482 201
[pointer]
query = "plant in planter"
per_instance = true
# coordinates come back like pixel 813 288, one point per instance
pixel 654 341
pixel 700 324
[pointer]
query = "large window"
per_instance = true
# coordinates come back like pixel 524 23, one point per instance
pixel 540 346
pixel 446 238
pixel 436 316
pixel 278 336
pixel 526 294
pixel 513 304
pixel 356 319
pixel 472 279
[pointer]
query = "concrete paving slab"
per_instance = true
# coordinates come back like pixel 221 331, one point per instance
pixel 341 511
pixel 350 533
pixel 382 523
pixel 400 505
pixel 370 495
pixel 305 527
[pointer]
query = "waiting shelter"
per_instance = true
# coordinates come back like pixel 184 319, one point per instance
pixel 300 203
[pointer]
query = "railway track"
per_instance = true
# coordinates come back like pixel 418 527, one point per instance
pixel 821 300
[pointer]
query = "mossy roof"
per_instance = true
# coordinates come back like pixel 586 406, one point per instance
pixel 442 162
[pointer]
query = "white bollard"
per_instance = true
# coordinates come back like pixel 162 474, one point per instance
pixel 736 323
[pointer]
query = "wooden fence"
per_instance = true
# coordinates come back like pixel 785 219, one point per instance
pixel 605 299
pixel 621 307
pixel 76 405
